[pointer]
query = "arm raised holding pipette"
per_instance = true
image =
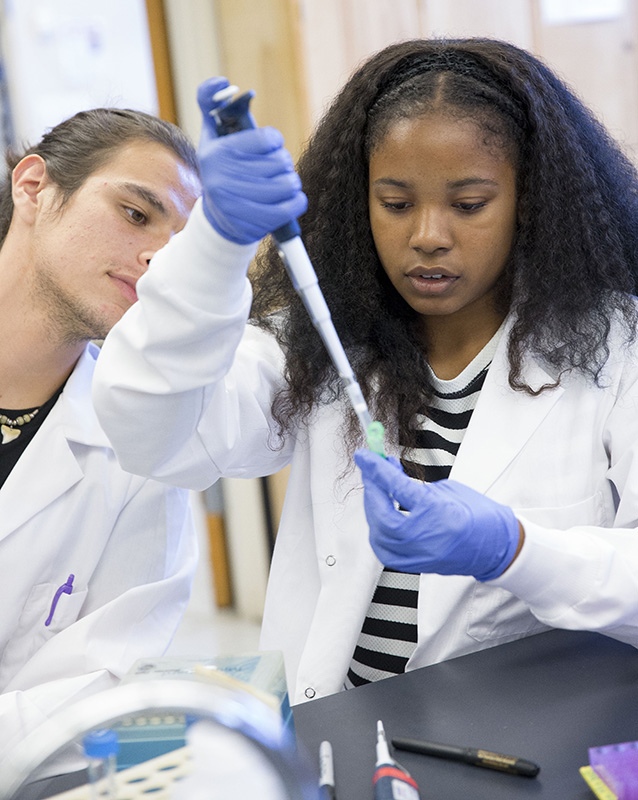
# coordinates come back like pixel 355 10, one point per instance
pixel 276 187
pixel 176 358
pixel 250 190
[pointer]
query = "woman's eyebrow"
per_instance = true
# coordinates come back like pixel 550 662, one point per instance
pixel 471 181
pixel 145 194
pixel 391 182
pixel 459 184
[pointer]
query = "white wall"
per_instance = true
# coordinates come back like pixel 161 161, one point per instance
pixel 63 56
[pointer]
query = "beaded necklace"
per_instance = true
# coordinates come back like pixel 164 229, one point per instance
pixel 12 428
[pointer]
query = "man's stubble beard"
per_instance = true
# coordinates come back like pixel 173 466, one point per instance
pixel 65 316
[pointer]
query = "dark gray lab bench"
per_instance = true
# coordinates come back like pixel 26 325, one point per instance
pixel 547 698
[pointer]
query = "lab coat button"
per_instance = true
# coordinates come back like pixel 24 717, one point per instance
pixel 331 561
pixel 310 693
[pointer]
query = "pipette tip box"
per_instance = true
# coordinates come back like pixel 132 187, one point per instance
pixel 142 737
pixel 612 773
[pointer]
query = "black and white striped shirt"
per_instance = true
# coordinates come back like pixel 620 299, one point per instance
pixel 390 630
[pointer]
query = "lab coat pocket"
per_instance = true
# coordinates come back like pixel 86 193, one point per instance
pixel 495 613
pixel 590 511
pixel 31 633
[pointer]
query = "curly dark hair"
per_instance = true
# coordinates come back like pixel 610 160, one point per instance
pixel 572 268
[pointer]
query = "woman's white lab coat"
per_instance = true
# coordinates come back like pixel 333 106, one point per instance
pixel 68 508
pixel 565 460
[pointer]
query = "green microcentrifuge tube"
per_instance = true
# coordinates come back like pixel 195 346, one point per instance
pixel 374 436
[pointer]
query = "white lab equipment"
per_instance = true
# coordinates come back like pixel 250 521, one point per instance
pixel 242 734
pixel 237 770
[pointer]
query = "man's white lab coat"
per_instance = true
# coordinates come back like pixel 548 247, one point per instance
pixel 182 367
pixel 68 508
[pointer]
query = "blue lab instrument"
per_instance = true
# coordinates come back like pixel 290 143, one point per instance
pixel 230 116
pixel 391 782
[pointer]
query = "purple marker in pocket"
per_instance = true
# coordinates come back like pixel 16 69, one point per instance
pixel 66 588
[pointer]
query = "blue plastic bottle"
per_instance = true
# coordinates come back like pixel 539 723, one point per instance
pixel 100 749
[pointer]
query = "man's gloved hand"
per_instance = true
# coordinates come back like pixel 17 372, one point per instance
pixel 449 528
pixel 250 184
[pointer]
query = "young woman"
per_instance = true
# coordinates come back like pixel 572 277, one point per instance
pixel 475 233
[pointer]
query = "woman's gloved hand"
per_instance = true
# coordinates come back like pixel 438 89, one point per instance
pixel 250 184
pixel 448 528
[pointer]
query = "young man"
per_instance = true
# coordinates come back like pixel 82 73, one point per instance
pixel 95 564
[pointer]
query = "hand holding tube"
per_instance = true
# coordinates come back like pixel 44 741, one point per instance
pixel 449 528
pixel 250 185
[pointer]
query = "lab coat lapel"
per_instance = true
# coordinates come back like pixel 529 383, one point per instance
pixel 49 467
pixel 502 422
pixel 42 474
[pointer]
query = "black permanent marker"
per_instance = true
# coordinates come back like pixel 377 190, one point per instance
pixel 470 755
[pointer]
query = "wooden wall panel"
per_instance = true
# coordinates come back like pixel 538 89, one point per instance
pixel 338 35
pixel 193 42
pixel 260 48
pixel 297 53
pixel 161 59
pixel 374 24
pixel 599 61
pixel 510 20
pixel 325 49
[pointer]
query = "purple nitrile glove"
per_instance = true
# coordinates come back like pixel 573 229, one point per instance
pixel 448 528
pixel 250 184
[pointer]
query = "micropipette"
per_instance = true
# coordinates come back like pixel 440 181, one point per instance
pixel 234 115
pixel 391 781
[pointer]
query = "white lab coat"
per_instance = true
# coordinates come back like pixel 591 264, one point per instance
pixel 68 508
pixel 565 460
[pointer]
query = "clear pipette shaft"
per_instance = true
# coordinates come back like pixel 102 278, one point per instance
pixel 304 279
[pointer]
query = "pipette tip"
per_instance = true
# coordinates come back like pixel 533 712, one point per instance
pixel 374 437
